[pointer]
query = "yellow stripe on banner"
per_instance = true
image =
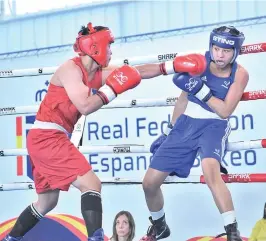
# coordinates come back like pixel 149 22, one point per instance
pixel 81 227
pixel 206 239
pixel 19 141
pixel 7 226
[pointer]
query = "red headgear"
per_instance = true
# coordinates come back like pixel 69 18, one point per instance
pixel 94 44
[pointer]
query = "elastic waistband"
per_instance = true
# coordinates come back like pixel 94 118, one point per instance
pixel 48 126
pixel 196 111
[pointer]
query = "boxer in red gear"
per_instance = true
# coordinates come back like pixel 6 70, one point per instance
pixel 56 161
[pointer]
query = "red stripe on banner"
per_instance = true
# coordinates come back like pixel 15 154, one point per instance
pixel 253 48
pixel 19 145
pixel 240 178
pixel 254 95
pixel 19 165
pixel 263 143
pixel 19 126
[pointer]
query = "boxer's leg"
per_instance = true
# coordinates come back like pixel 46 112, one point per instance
pixel 91 202
pixel 177 153
pixel 212 150
pixel 33 214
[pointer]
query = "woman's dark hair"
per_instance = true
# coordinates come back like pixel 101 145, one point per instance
pixel 131 226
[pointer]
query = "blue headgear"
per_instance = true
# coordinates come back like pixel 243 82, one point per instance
pixel 227 37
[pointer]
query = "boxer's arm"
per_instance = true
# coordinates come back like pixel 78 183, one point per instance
pixel 225 108
pixel 146 71
pixel 70 77
pixel 180 106
pixel 194 64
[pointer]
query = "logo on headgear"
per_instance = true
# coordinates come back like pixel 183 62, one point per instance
pixel 52 227
pixel 223 40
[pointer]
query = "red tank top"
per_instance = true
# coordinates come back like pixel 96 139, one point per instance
pixel 56 106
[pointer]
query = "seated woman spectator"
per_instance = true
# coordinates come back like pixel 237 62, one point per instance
pixel 123 227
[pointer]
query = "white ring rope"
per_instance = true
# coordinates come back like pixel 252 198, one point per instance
pixel 124 149
pixel 246 49
pixel 230 178
pixel 136 103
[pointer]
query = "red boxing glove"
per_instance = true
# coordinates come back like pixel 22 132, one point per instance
pixel 194 64
pixel 201 63
pixel 119 81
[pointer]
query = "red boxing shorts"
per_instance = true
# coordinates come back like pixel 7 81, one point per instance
pixel 56 162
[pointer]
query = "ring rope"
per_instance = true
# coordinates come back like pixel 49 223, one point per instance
pixel 246 49
pixel 124 149
pixel 161 102
pixel 195 179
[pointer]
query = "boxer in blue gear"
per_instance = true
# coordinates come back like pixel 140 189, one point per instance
pixel 200 126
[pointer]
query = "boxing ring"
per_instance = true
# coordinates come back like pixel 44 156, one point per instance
pixel 134 103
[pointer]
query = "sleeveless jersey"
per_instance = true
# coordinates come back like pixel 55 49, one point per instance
pixel 56 106
pixel 218 85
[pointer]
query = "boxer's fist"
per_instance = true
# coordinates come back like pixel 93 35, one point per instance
pixel 194 64
pixel 201 64
pixel 192 85
pixel 119 81
pixel 123 79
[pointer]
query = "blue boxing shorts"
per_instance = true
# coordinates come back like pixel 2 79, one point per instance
pixel 188 138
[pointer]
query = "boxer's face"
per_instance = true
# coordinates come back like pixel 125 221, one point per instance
pixel 222 57
pixel 109 54
pixel 122 226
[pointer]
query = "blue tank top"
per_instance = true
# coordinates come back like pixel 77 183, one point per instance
pixel 218 85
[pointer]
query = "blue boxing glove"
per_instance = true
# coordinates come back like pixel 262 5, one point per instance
pixel 192 85
pixel 158 142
